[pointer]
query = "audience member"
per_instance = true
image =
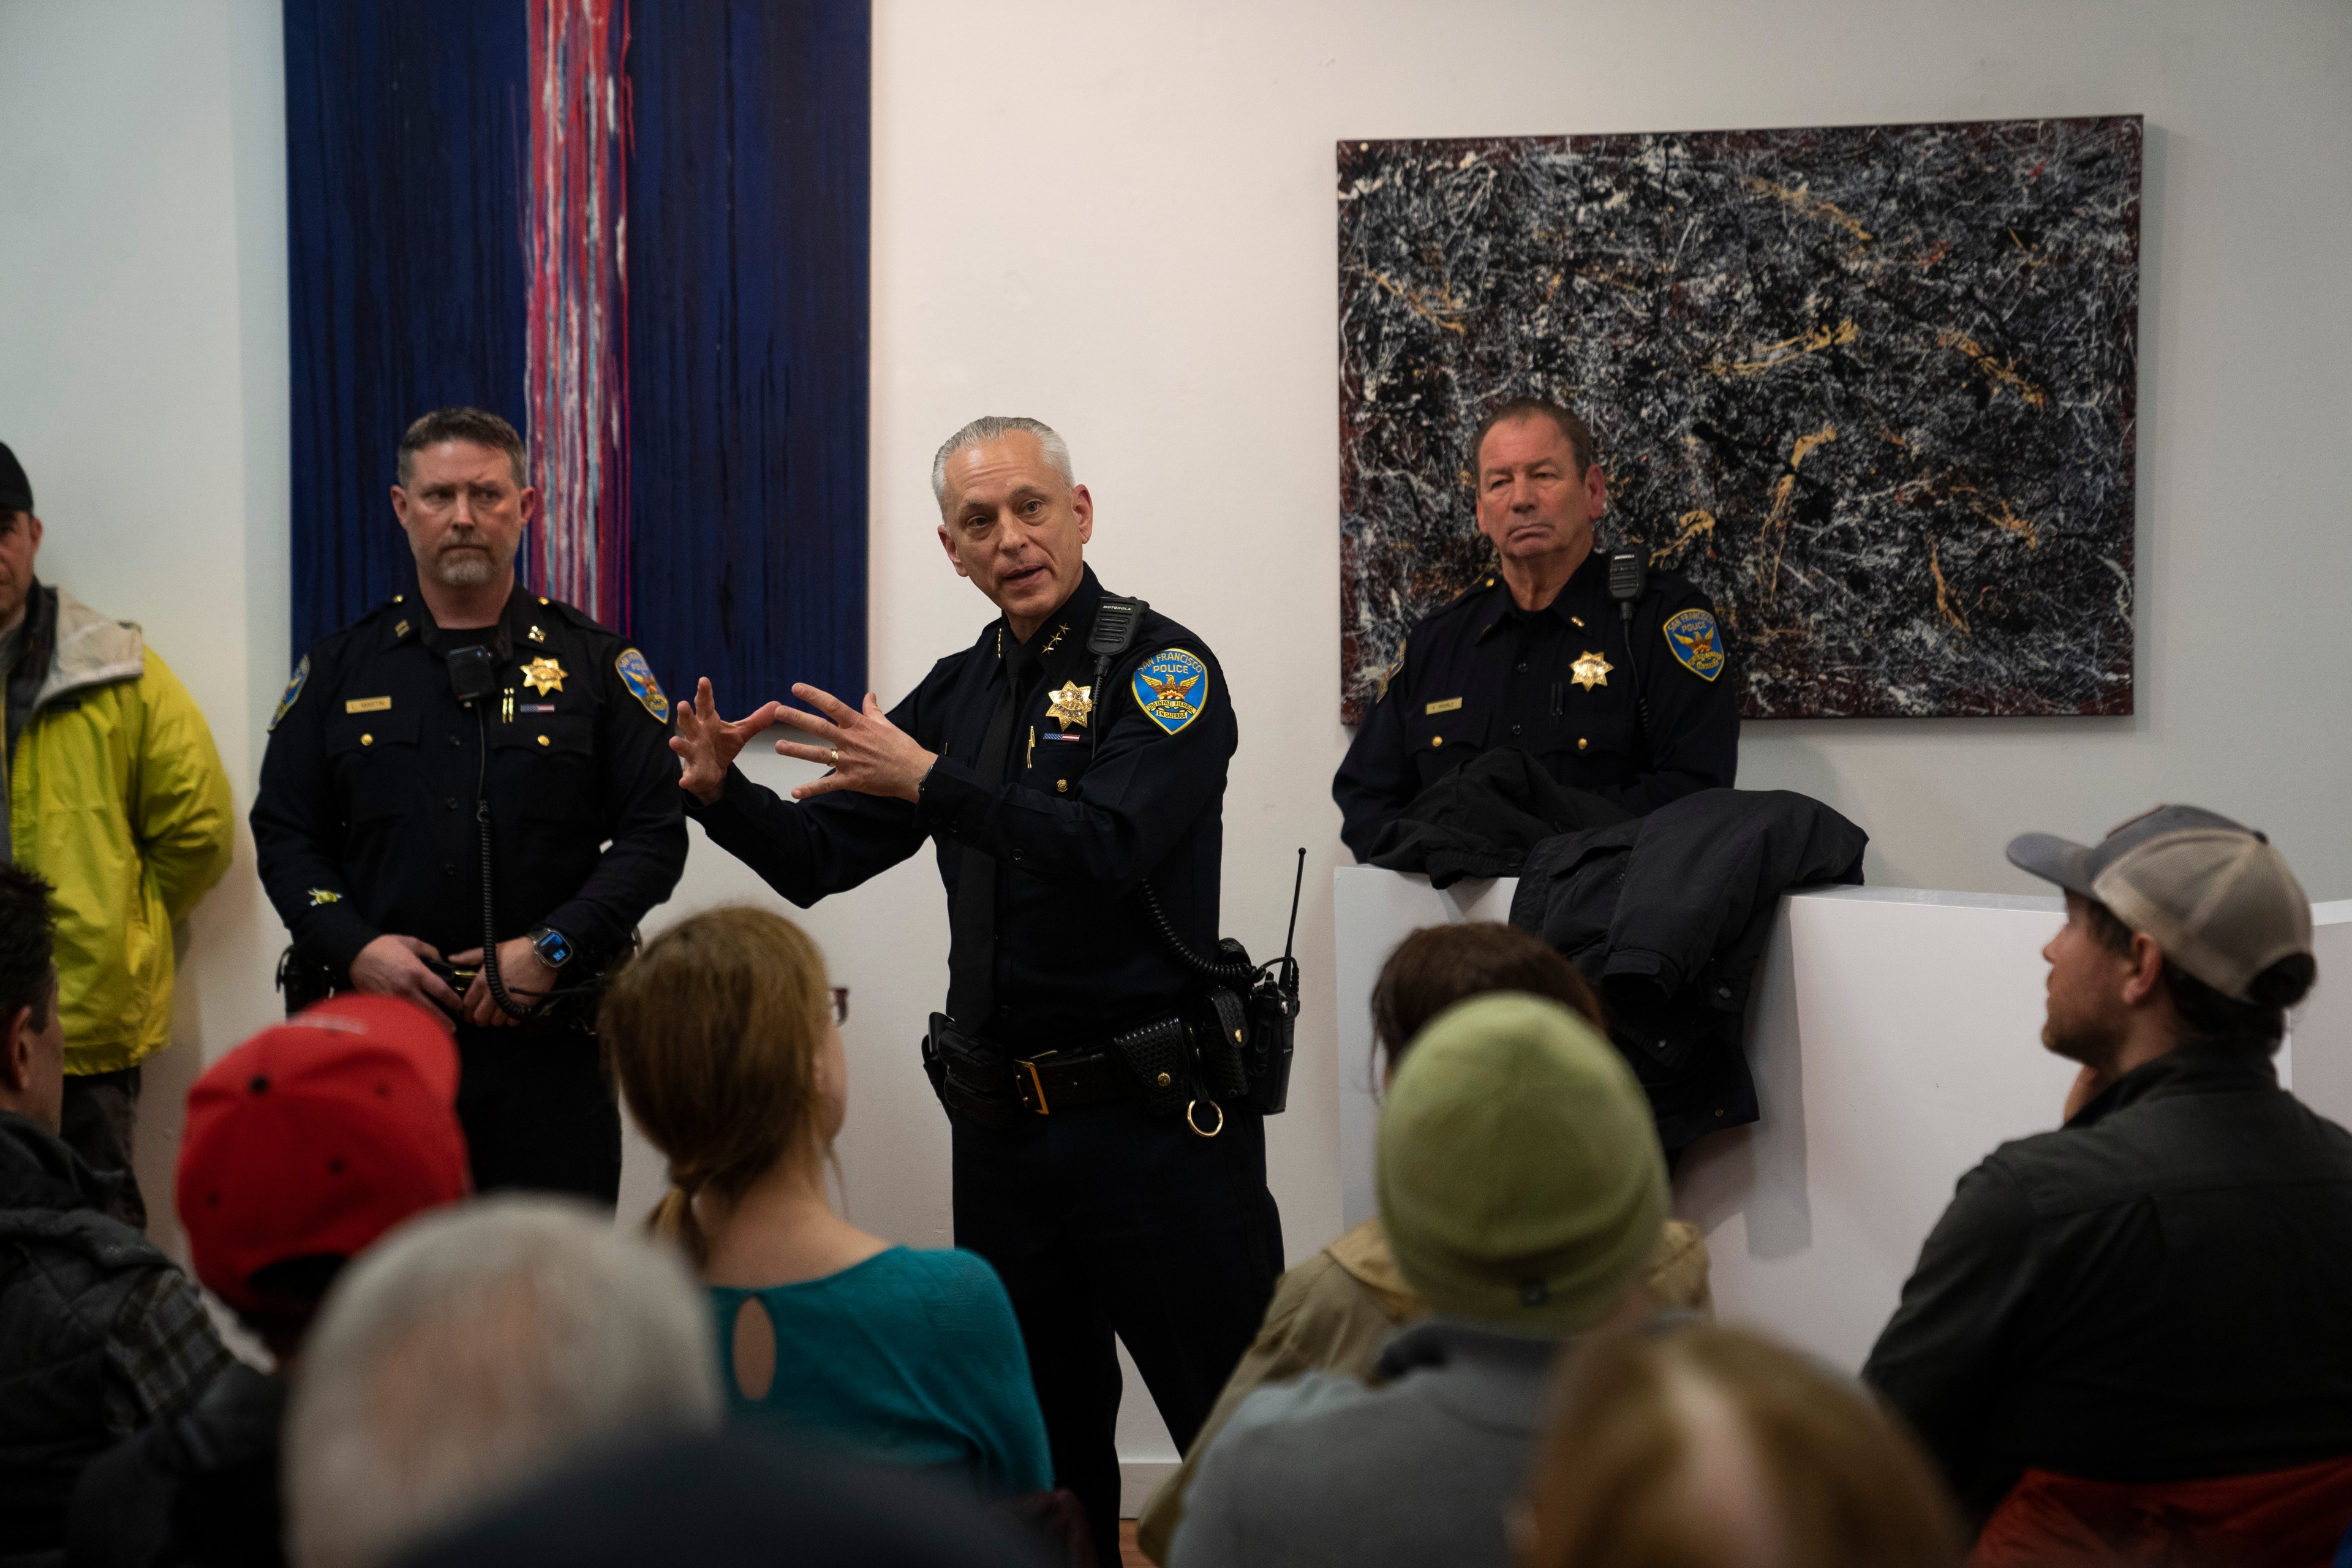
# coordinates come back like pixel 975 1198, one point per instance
pixel 1523 1191
pixel 1333 1311
pixel 302 1146
pixel 738 1499
pixel 110 788
pixel 2133 1329
pixel 474 1354
pixel 1704 1448
pixel 723 1035
pixel 100 1334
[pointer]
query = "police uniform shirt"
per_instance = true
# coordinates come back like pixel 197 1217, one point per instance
pixel 1101 788
pixel 1559 683
pixel 366 820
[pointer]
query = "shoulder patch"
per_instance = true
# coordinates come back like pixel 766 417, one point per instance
pixel 1171 687
pixel 638 676
pixel 293 690
pixel 1692 635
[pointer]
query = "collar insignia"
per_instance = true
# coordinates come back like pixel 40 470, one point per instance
pixel 1590 670
pixel 1071 705
pixel 543 676
pixel 537 634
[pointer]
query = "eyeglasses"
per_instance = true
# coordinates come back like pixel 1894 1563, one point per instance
pixel 841 1004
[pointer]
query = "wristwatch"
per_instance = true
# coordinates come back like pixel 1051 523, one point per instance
pixel 554 948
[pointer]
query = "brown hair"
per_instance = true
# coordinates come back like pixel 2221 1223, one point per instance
pixel 479 425
pixel 712 1032
pixel 2209 1020
pixel 1580 438
pixel 1437 967
pixel 1620 1479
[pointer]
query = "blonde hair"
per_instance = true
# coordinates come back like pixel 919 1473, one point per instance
pixel 1838 1478
pixel 712 1033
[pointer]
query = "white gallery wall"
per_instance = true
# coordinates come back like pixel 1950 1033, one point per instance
pixel 1120 218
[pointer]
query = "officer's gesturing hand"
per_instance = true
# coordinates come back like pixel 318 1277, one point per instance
pixel 865 752
pixel 394 966
pixel 708 744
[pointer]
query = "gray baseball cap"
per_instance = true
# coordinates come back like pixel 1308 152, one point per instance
pixel 2215 895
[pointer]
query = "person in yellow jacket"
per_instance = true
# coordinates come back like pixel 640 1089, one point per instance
pixel 116 796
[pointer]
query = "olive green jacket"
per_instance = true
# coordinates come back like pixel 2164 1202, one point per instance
pixel 117 796
pixel 1334 1311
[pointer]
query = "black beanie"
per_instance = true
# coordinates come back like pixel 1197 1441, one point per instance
pixel 15 490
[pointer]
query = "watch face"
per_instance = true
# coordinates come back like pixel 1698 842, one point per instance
pixel 553 947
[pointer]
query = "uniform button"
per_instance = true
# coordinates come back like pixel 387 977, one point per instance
pixel 1061 786
pixel 543 740
pixel 1437 740
pixel 1515 729
pixel 1523 667
pixel 1016 857
pixel 448 870
pixel 449 801
pixel 367 739
pixel 1581 742
pixel 455 741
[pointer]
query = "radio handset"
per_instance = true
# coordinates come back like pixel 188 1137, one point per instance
pixel 1116 621
pixel 1629 579
pixel 474 675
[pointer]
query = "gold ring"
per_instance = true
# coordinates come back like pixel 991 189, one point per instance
pixel 1194 1127
pixel 833 756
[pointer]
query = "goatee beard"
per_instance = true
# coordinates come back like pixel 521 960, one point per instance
pixel 462 569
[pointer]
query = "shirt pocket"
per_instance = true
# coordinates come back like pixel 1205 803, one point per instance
pixel 1441 741
pixel 374 756
pixel 555 756
pixel 1589 746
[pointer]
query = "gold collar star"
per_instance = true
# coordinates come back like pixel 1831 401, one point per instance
pixel 543 676
pixel 1071 705
pixel 1590 670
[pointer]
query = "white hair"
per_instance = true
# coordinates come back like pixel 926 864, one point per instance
pixel 474 1351
pixel 991 428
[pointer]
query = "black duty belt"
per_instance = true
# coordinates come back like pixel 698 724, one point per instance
pixel 1150 1065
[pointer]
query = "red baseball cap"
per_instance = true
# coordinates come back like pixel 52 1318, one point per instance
pixel 316 1136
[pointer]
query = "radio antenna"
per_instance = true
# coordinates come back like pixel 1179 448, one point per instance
pixel 1297 883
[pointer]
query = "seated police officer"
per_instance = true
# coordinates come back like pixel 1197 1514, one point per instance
pixel 367 826
pixel 1536 654
pixel 1111 1189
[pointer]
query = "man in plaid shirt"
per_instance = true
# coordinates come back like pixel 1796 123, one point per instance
pixel 100 1333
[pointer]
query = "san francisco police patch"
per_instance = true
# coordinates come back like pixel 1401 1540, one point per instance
pixel 638 676
pixel 1171 688
pixel 293 690
pixel 1693 637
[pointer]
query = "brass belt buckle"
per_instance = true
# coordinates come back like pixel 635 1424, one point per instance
pixel 1035 1086
pixel 1195 1127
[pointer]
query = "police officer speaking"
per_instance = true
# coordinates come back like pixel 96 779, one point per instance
pixel 1620 687
pixel 1069 767
pixel 472 756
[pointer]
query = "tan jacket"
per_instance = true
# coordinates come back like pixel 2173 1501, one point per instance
pixel 1332 1313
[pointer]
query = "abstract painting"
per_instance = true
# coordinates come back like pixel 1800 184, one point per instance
pixel 636 229
pixel 1871 387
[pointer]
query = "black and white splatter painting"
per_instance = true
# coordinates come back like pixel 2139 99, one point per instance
pixel 1872 387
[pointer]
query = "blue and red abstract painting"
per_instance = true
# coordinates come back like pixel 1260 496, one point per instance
pixel 637 229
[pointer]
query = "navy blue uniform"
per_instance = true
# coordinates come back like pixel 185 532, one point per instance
pixel 364 825
pixel 1559 684
pixel 1100 1218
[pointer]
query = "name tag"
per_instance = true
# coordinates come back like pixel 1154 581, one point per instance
pixel 369 705
pixel 1448 706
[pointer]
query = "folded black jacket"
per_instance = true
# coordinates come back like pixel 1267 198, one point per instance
pixel 1668 914
pixel 1483 818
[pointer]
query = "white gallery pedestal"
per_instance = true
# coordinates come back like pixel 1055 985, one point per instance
pixel 1896 1039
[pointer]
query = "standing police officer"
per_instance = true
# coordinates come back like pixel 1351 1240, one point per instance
pixel 367 828
pixel 1539 655
pixel 1109 1189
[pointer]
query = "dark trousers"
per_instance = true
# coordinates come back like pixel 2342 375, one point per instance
pixel 1105 1221
pixel 100 1116
pixel 538 1111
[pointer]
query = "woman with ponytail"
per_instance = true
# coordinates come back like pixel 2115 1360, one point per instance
pixel 723 1037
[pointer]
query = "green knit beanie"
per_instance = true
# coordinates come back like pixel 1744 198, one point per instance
pixel 1520 1179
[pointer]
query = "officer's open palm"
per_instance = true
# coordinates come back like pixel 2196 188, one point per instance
pixel 708 745
pixel 865 752
pixel 394 966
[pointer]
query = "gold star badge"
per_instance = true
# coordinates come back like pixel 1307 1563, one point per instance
pixel 543 676
pixel 1070 705
pixel 1590 670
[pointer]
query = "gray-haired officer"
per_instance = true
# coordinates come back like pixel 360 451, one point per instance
pixel 1068 802
pixel 370 822
pixel 1539 655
